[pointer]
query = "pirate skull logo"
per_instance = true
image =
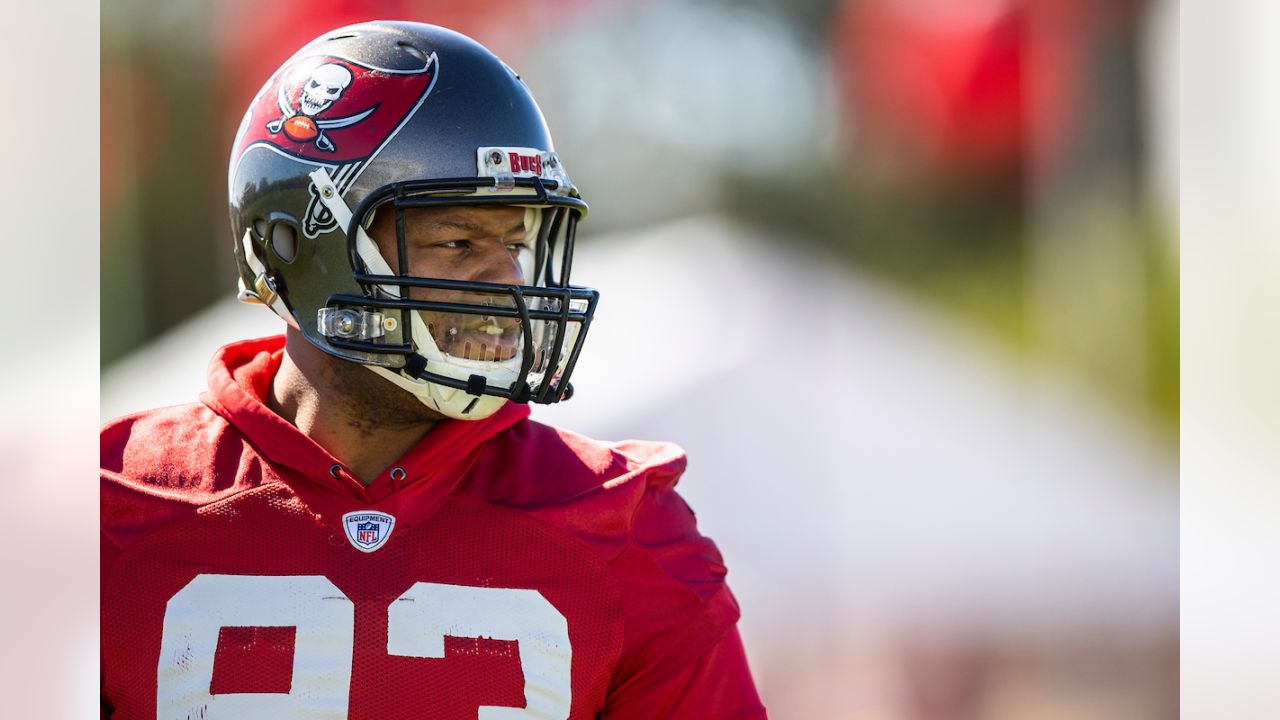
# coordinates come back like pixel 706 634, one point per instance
pixel 324 87
pixel 321 90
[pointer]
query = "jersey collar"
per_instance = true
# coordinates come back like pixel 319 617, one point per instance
pixel 240 376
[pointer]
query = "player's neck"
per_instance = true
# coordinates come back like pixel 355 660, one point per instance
pixel 307 394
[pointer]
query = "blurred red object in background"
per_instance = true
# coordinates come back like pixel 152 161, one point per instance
pixel 954 87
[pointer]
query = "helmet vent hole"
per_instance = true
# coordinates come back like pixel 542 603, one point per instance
pixel 284 241
pixel 416 52
pixel 343 36
pixel 259 229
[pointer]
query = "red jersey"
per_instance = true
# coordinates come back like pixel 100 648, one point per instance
pixel 501 569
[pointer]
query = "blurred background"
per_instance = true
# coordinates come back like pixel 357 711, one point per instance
pixel 900 275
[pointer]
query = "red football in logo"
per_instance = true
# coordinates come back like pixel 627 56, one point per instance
pixel 300 128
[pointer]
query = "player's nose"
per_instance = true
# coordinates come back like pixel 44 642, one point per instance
pixel 497 264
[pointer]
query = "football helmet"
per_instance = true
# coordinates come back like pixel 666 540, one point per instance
pixel 386 117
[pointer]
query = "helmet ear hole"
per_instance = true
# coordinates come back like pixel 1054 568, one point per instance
pixel 260 229
pixel 284 241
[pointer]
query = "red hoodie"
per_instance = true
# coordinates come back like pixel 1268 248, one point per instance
pixel 500 569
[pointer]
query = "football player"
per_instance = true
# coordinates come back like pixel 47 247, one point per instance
pixel 359 519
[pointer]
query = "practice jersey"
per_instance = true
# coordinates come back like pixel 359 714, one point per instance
pixel 502 569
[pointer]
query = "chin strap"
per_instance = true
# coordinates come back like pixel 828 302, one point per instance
pixel 264 289
pixel 368 252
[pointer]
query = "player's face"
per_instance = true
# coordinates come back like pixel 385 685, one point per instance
pixel 476 244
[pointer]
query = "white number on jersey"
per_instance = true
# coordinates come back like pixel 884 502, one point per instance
pixel 324 622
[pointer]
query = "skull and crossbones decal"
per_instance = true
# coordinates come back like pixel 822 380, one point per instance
pixel 319 92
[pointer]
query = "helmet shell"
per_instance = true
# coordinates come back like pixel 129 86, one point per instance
pixel 435 96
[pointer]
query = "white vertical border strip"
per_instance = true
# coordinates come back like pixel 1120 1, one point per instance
pixel 1230 115
pixel 49 199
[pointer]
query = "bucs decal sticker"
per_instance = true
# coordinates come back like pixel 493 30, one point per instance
pixel 332 112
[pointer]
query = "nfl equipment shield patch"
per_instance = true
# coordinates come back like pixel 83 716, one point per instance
pixel 368 530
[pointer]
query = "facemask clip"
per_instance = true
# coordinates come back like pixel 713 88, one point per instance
pixel 353 324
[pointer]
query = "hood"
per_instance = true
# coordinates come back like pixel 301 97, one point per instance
pixel 240 377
